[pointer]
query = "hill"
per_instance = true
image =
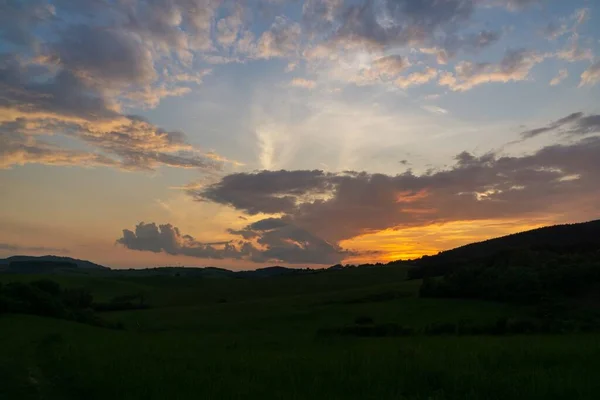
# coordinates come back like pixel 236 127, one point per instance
pixel 555 268
pixel 558 239
pixel 39 264
pixel 217 273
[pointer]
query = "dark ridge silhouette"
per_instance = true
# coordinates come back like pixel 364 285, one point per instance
pixel 559 239
pixel 45 263
pixel 35 267
pixel 274 271
pixel 217 273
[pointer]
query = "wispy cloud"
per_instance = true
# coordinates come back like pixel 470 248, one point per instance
pixel 591 76
pixel 562 75
pixel 303 83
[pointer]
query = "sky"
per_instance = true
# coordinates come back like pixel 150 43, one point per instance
pixel 241 134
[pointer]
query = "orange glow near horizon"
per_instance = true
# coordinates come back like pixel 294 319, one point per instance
pixel 414 242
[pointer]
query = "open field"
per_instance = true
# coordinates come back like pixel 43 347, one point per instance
pixel 259 338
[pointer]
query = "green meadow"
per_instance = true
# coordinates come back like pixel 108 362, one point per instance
pixel 284 338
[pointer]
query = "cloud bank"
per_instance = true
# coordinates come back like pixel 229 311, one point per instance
pixel 312 211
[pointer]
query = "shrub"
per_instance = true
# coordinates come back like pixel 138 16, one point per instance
pixel 47 286
pixel 380 330
pixel 77 298
pixel 363 320
pixel 441 329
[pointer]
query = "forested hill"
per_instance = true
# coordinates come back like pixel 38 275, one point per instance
pixel 45 263
pixel 558 239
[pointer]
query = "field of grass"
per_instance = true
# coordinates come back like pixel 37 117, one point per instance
pixel 258 338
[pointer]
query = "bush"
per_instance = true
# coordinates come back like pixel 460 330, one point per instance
pixel 46 298
pixel 122 303
pixel 441 329
pixel 380 330
pixel 47 286
pixel 363 320
pixel 77 298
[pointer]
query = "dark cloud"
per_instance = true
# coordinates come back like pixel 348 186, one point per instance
pixel 167 238
pixel 292 244
pixel 267 224
pixel 107 55
pixel 267 191
pixel 340 206
pixel 63 93
pixel 269 240
pixel 574 124
pixel 18 20
pixel 401 22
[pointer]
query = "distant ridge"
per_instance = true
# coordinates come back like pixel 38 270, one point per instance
pixel 213 272
pixel 51 260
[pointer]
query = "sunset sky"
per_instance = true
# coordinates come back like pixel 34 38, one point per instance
pixel 242 134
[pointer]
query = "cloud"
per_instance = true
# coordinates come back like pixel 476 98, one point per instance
pixel 105 56
pixel 303 83
pixel 416 78
pixel 401 22
pixel 349 31
pixel 268 240
pixel 268 192
pixel 572 23
pixel 63 93
pixel 167 238
pixel 515 5
pixel 389 66
pixel 20 150
pixel 515 66
pixel 435 109
pixel 128 143
pixel 453 44
pixel 562 75
pixel 573 52
pixel 554 30
pixel 281 40
pixel 591 76
pixel 576 124
pixel 319 15
pixel 79 82
pixel 338 206
pixel 180 26
pixel 228 28
pixel 17 21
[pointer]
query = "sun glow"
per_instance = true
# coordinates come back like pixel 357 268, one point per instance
pixel 414 242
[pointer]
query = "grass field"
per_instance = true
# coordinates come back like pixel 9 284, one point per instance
pixel 258 338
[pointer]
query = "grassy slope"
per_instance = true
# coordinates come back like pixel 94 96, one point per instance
pixel 261 343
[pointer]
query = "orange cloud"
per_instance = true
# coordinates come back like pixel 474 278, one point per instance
pixel 414 242
pixel 408 196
